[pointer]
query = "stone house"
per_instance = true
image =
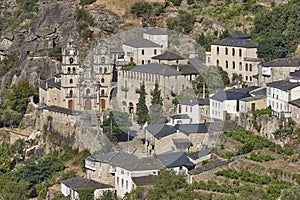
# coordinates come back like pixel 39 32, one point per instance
pixel 295 110
pixel 278 69
pixel 102 168
pixel 237 55
pixel 72 186
pixel 279 94
pixel 225 102
pixel 128 173
pixel 250 104
pixel 181 137
pixel 295 76
pixel 170 82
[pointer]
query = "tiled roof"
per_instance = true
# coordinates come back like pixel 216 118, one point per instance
pixel 229 95
pixel 244 90
pixel 141 43
pixel 175 159
pixel 186 69
pixel 191 128
pixel 180 116
pixel 240 34
pixel 295 73
pixel 78 183
pixel 261 91
pixel 283 62
pixel 181 143
pixel 156 31
pixel 196 101
pixel 237 42
pixel 114 158
pixel 51 83
pixel 283 85
pixel 253 98
pixel 147 163
pixel 168 55
pixel 207 167
pixel 295 102
pixel 154 68
pixel 144 180
pixel 199 154
pixel 161 130
pixel 63 110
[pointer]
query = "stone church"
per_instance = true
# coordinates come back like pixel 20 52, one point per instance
pixel 79 86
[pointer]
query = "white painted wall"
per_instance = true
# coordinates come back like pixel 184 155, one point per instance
pixel 158 39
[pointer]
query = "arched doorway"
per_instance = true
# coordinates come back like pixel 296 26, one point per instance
pixel 88 105
pixel 71 105
pixel 102 104
pixel 130 107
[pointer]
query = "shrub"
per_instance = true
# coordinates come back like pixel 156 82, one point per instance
pixel 265 111
pixel 56 53
pixel 176 2
pixel 141 9
pixel 86 2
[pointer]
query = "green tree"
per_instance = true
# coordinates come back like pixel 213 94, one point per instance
pixel 18 97
pixel 156 108
pixel 4 159
pixel 56 53
pixel 86 194
pixel 167 184
pixel 141 9
pixel 86 2
pixel 108 195
pixel 142 109
pixel 11 118
pixel 117 123
pixel 12 190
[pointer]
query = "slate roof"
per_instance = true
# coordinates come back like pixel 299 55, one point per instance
pixel 218 126
pixel 199 154
pixel 156 31
pixel 168 55
pixel 144 180
pixel 229 95
pixel 196 101
pixel 262 91
pixel 295 73
pixel 147 163
pixel 51 83
pixel 180 116
pixel 185 69
pixel 175 159
pixel 78 183
pixel 161 130
pixel 295 102
pixel 63 110
pixel 240 34
pixel 180 143
pixel 191 128
pixel 207 167
pixel 283 85
pixel 253 98
pixel 155 68
pixel 141 43
pixel 283 62
pixel 237 42
pixel 244 90
pixel 114 158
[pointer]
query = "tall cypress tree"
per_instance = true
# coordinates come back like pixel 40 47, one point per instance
pixel 156 108
pixel 142 110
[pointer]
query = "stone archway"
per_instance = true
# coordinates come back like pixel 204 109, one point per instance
pixel 88 105
pixel 71 104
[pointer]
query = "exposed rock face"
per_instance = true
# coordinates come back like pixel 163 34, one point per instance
pixel 106 21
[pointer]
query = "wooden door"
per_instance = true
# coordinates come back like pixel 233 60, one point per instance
pixel 103 104
pixel 71 104
pixel 88 105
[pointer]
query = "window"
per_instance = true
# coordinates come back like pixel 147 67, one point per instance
pixel 218 62
pixel 226 64
pixel 143 52
pixel 246 67
pixel 102 80
pixel 186 109
pixel 103 60
pixel 155 51
pixel 143 62
pixel 250 68
pixel 88 91
pixel 218 50
pixel 240 52
pixel 118 181
pixel 126 185
pixel 240 66
pixel 69 70
pixel 233 65
pixel 105 69
pixel 191 109
pixel 71 80
pixel 71 93
pixel 250 78
pixel 246 78
pixel 226 51
pixel 122 182
pixel 233 52
pixel 74 70
pixel 149 61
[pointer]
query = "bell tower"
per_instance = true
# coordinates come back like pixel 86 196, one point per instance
pixel 69 75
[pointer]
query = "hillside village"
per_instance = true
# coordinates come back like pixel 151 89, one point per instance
pixel 184 140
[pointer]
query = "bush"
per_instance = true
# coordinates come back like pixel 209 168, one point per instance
pixel 190 2
pixel 56 53
pixel 176 2
pixel 265 111
pixel 141 9
pixel 86 2
pixel 260 158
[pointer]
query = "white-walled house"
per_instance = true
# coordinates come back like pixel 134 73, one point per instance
pixel 225 102
pixel 279 93
pixel 149 166
pixel 72 186
pixel 157 36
